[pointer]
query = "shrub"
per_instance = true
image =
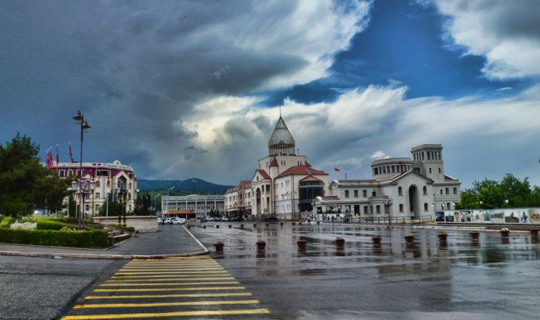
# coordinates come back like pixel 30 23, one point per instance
pixel 129 229
pixel 68 238
pixel 6 222
pixel 52 225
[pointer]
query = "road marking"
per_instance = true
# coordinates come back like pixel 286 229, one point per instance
pixel 169 314
pixel 168 279
pixel 165 284
pixel 165 304
pixel 169 269
pixel 170 289
pixel 185 295
pixel 169 272
pixel 180 276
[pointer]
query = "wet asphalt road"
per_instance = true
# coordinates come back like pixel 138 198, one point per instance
pixel 492 280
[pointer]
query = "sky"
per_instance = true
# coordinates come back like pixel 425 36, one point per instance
pixel 187 88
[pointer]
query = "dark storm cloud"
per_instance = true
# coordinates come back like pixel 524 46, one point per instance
pixel 137 69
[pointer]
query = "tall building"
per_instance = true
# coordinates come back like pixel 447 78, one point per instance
pixel 109 178
pixel 283 185
pixel 404 188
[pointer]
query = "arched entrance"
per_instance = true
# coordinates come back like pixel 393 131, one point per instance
pixel 258 201
pixel 413 202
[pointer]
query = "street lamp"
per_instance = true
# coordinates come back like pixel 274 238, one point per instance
pixel 506 202
pixel 388 202
pixel 81 121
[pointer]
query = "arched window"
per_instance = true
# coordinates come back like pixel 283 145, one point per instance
pixel 400 191
pixel 425 190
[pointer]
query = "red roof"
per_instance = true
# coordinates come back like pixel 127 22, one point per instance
pixel 302 170
pixel 274 163
pixel 307 164
pixel 245 183
pixel 448 178
pixel 310 178
pixel 263 174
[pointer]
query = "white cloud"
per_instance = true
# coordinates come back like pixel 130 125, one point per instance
pixel 352 131
pixel 507 33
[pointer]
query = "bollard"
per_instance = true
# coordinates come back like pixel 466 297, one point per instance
pixel 241 226
pixel 261 245
pixel 267 225
pixel 409 238
pixel 219 246
pixel 230 226
pixel 254 225
pixel 204 227
pixel 505 232
pixel 534 233
pixel 340 242
pixel 189 227
pixel 301 244
pixel 318 222
pixel 217 226
pixel 281 223
pixel 474 235
pixel 293 223
pixel 442 237
pixel 376 240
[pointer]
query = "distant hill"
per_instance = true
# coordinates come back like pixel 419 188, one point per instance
pixel 200 186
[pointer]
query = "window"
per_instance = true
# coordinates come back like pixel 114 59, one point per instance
pixel 429 170
pixel 401 208
pixel 455 190
pixel 87 207
pixel 425 190
pixel 97 207
pixel 374 193
pixel 98 195
pixel 426 208
pixel 440 170
pixel 441 192
pixel 366 210
pixel 378 209
pixel 400 191
pixel 346 193
pixel 447 191
pixel 61 173
pixel 70 173
pixel 356 193
pixel 364 193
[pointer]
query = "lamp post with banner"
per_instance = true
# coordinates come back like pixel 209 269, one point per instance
pixel 388 202
pixel 85 127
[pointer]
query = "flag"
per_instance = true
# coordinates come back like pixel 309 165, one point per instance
pixel 337 169
pixel 70 154
pixel 48 158
pixel 57 156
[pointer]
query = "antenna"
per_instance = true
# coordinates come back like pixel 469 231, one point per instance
pixel 280 111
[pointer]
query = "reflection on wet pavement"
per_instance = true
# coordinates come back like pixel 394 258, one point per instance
pixel 463 278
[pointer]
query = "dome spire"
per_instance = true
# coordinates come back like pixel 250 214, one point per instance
pixel 281 140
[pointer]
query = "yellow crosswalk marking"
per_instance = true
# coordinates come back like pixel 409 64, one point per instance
pixel 170 289
pixel 168 269
pixel 169 314
pixel 165 284
pixel 165 304
pixel 184 295
pixel 179 276
pixel 170 272
pixel 168 279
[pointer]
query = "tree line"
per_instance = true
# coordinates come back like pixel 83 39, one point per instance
pixel 510 192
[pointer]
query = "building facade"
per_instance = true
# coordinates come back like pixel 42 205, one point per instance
pixel 109 179
pixel 193 206
pixel 408 189
pixel 283 185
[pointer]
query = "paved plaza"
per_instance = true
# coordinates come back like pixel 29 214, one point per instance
pixel 490 279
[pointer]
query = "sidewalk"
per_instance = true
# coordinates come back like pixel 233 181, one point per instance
pixel 173 240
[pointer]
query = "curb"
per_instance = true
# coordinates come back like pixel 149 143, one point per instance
pixel 107 256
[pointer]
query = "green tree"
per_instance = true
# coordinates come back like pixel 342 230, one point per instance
pixel 516 191
pixel 468 200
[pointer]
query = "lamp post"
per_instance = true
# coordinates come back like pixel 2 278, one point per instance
pixel 82 187
pixel 81 121
pixel 388 202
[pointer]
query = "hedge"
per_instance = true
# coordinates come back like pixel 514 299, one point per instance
pixel 6 222
pixel 80 239
pixel 121 227
pixel 52 225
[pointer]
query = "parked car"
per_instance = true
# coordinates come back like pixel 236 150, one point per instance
pixel 159 221
pixel 178 220
pixel 167 221
pixel 272 219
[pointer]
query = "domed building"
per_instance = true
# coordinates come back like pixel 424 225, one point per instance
pixel 283 185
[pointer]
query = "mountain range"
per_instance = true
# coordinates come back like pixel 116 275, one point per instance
pixel 194 185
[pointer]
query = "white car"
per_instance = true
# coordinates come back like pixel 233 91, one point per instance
pixel 167 221
pixel 159 221
pixel 178 220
